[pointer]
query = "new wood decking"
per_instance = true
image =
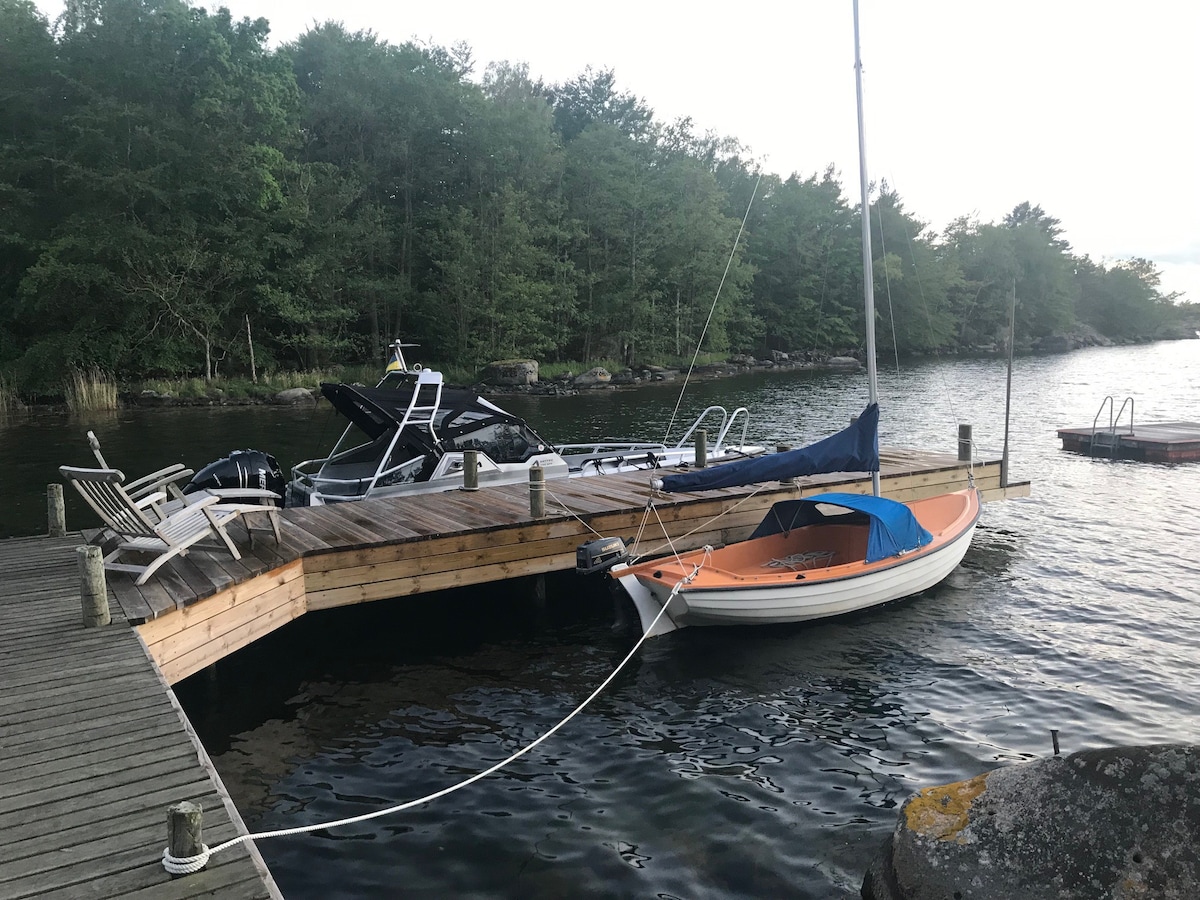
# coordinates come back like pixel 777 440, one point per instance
pixel 93 749
pixel 202 608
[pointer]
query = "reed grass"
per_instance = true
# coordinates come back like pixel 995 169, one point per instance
pixel 10 402
pixel 89 391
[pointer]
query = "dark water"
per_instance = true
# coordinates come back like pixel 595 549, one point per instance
pixel 723 762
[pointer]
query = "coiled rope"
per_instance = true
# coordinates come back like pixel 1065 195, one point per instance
pixel 188 864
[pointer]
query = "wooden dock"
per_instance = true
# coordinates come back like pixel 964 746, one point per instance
pixel 93 749
pixel 1149 442
pixel 93 744
pixel 202 608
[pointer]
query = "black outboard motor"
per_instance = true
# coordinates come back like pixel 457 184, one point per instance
pixel 240 469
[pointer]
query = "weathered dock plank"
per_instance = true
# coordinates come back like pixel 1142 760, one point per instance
pixel 93 748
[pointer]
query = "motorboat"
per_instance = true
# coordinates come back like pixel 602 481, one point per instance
pixel 411 434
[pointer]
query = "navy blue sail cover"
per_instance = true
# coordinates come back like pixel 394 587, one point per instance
pixel 893 527
pixel 853 449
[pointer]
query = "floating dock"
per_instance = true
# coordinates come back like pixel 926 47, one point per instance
pixel 93 744
pixel 1167 442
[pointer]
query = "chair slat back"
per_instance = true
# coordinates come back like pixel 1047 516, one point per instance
pixel 102 490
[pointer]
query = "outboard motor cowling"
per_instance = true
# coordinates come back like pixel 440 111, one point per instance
pixel 240 469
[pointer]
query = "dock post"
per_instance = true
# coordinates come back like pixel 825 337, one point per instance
pixel 701 449
pixel 537 492
pixel 185 827
pixel 470 470
pixel 784 448
pixel 56 510
pixel 964 443
pixel 93 589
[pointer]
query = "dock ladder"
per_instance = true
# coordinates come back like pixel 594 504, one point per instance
pixel 1108 437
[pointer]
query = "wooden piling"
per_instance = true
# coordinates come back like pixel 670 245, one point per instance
pixel 470 470
pixel 93 589
pixel 185 831
pixel 701 449
pixel 537 492
pixel 56 510
pixel 964 443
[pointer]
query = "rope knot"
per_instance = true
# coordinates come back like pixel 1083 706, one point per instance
pixel 185 865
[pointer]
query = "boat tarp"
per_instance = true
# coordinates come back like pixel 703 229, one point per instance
pixel 853 449
pixel 893 527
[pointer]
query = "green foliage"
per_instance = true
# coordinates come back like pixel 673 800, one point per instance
pixel 177 194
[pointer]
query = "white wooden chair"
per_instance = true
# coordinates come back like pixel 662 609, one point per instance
pixel 165 481
pixel 159 493
pixel 136 533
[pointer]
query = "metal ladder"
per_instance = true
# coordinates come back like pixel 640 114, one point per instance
pixel 422 408
pixel 1108 436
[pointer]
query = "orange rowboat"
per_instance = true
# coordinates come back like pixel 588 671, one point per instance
pixel 825 555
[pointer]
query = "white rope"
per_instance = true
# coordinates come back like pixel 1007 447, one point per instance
pixel 806 560
pixel 185 864
pixel 570 512
pixel 668 544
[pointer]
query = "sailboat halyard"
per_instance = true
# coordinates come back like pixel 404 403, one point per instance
pixel 821 556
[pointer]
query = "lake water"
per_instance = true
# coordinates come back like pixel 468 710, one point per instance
pixel 722 762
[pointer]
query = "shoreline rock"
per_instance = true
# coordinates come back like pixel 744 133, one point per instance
pixel 1119 822
pixel 845 361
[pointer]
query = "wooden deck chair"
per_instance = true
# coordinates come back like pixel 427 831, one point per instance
pixel 104 491
pixel 165 481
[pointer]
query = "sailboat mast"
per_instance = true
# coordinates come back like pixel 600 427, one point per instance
pixel 868 277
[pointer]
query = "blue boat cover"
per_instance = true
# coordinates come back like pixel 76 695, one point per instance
pixel 893 527
pixel 853 449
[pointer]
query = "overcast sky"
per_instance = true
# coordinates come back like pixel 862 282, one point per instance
pixel 1089 108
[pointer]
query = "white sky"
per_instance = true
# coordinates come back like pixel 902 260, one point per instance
pixel 1089 108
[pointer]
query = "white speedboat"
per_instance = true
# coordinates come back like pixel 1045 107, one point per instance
pixel 409 435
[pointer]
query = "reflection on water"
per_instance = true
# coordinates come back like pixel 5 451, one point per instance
pixel 723 762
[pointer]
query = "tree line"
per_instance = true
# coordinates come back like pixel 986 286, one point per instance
pixel 176 193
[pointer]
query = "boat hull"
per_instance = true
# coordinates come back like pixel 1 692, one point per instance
pixel 733 593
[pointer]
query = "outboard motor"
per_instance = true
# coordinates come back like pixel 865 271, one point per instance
pixel 599 555
pixel 240 469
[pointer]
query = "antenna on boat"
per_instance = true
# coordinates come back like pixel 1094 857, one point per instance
pixel 868 277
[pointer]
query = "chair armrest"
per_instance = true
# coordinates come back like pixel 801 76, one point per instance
pixel 237 495
pixel 162 480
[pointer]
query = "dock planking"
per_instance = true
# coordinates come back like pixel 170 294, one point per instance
pixel 93 749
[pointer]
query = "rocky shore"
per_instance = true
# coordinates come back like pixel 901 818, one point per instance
pixel 521 375
pixel 1117 822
